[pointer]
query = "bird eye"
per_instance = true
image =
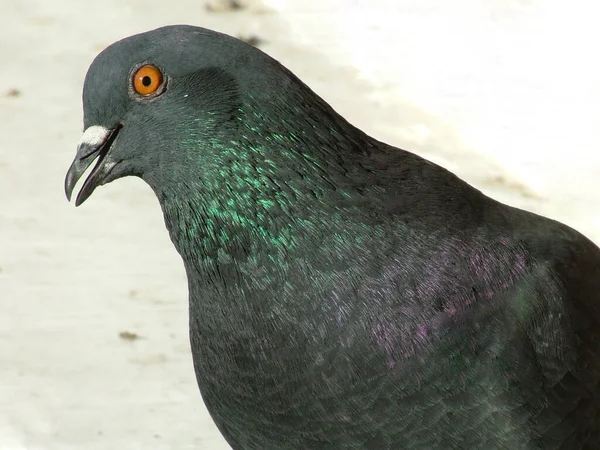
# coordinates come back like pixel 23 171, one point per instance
pixel 147 79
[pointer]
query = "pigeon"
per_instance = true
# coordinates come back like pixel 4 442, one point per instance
pixel 343 293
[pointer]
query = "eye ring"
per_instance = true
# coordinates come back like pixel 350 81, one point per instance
pixel 147 80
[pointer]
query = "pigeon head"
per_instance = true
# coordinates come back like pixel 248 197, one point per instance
pixel 182 104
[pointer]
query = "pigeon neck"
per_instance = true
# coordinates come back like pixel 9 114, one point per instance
pixel 257 214
pixel 249 219
pixel 267 188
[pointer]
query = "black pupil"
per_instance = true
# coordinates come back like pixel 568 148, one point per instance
pixel 146 81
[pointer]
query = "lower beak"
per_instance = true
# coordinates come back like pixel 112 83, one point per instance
pixel 95 144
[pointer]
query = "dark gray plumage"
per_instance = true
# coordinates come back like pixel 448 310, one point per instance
pixel 344 294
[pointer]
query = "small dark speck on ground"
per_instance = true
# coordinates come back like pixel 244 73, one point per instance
pixel 224 5
pixel 501 181
pixel 14 92
pixel 128 336
pixel 98 47
pixel 252 40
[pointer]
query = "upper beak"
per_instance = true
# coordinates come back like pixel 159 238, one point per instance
pixel 95 143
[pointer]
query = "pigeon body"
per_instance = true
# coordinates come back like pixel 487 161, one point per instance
pixel 344 294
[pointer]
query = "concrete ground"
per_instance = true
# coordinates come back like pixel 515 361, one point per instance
pixel 94 351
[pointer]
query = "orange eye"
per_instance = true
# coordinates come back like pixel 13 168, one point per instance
pixel 147 79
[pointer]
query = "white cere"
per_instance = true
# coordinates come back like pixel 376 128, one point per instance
pixel 94 135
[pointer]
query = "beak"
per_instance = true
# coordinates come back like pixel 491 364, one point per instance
pixel 95 144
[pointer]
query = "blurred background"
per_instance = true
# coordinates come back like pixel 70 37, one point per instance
pixel 94 351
